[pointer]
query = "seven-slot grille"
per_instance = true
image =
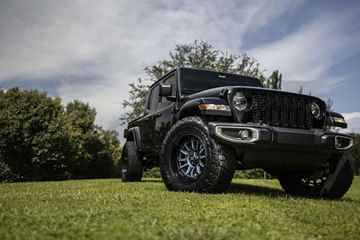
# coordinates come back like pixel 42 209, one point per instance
pixel 282 110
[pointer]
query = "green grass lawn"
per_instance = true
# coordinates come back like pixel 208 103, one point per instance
pixel 110 209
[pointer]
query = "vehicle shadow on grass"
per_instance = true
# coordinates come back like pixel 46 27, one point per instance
pixel 249 189
pixel 238 188
pixel 235 188
pixel 255 190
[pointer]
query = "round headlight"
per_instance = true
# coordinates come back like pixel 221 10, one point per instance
pixel 239 101
pixel 315 110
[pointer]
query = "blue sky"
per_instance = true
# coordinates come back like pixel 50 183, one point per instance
pixel 92 50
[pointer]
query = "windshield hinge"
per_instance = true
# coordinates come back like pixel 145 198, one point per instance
pixel 223 93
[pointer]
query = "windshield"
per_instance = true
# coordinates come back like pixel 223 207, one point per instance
pixel 193 80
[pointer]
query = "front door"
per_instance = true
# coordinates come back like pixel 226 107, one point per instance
pixel 148 121
pixel 165 112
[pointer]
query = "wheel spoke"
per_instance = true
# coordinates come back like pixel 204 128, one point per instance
pixel 190 158
pixel 183 159
pixel 313 181
pixel 198 169
pixel 192 172
pixel 192 144
pixel 184 152
pixel 201 164
pixel 181 167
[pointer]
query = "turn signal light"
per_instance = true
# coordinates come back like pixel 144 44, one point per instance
pixel 219 107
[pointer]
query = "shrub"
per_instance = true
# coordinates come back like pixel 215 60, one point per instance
pixel 251 174
pixel 6 175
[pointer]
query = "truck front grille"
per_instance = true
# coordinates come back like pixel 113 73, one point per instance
pixel 282 110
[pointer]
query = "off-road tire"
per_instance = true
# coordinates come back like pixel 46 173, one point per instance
pixel 131 164
pixel 219 166
pixel 292 184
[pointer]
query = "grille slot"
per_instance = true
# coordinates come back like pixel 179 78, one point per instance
pixel 282 110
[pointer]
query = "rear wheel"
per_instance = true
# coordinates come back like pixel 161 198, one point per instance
pixel 131 164
pixel 190 160
pixel 311 184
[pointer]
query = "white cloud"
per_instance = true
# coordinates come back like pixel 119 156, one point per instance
pixel 353 121
pixel 93 49
pixel 315 87
pixel 306 56
pixel 350 116
pixel 354 125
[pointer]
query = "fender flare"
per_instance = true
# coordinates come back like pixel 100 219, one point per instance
pixel 135 135
pixel 193 105
pixel 335 119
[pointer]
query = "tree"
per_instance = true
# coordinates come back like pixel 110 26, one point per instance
pixel 198 54
pixel 93 152
pixel 81 115
pixel 301 90
pixel 40 139
pixel 329 104
pixel 29 127
pixel 274 81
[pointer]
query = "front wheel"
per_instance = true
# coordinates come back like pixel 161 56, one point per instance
pixel 338 171
pixel 190 160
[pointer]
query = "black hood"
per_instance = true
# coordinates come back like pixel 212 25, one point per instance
pixel 217 92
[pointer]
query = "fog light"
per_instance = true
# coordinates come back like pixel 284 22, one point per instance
pixel 244 134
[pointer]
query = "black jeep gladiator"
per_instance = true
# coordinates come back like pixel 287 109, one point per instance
pixel 200 126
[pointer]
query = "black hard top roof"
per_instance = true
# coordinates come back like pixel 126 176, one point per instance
pixel 196 69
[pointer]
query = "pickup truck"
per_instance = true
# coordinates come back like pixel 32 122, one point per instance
pixel 199 126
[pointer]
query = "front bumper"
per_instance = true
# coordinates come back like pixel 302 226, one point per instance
pixel 278 149
pixel 275 137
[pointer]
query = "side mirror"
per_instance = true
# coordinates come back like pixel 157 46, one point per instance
pixel 165 90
